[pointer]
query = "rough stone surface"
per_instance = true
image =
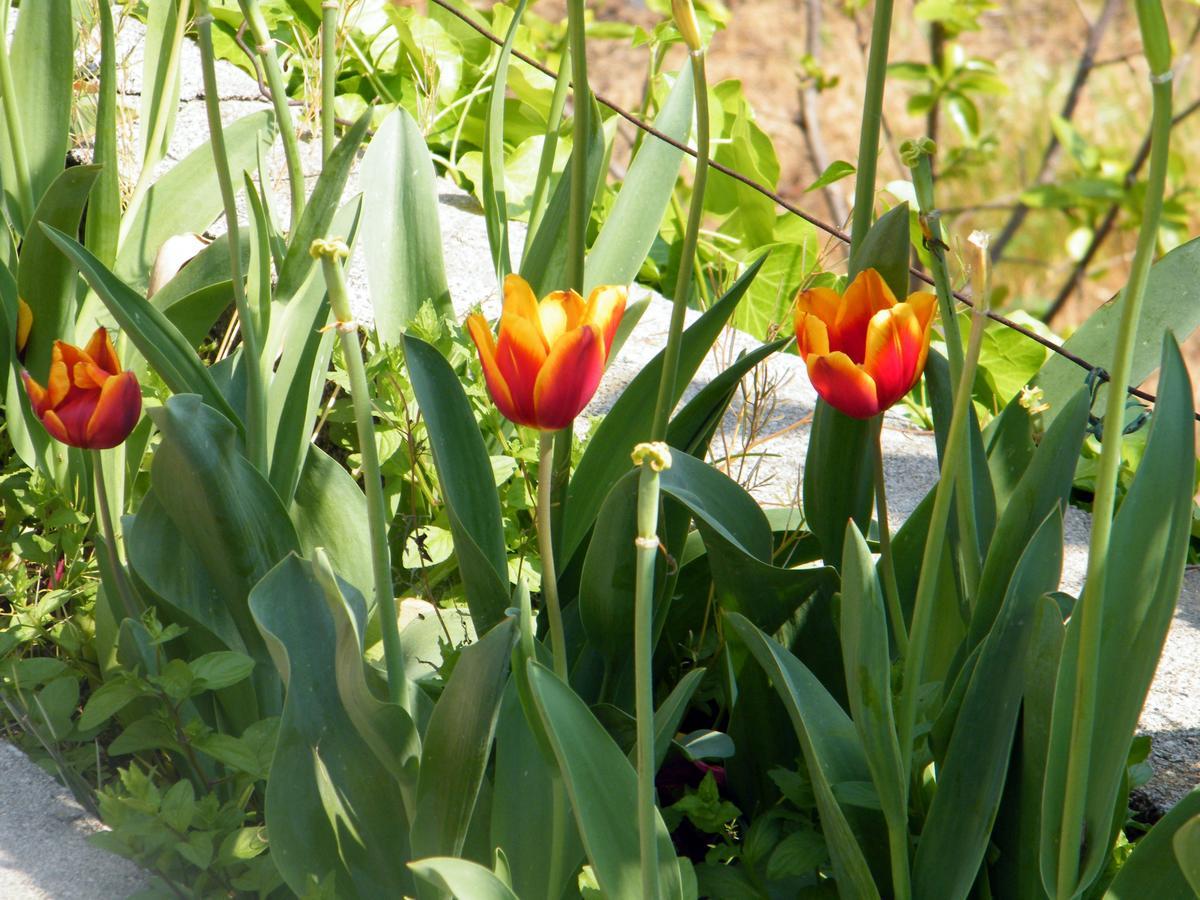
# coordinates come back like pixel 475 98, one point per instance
pixel 42 850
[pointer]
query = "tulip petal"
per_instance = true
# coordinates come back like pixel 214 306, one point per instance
pixel 116 412
pixel 605 307
pixel 37 393
pixel 895 344
pixel 867 295
pixel 559 312
pixel 924 306
pixel 481 334
pixel 24 323
pixel 73 415
pixel 812 336
pixel 844 385
pixel 100 351
pixel 570 377
pixel 520 353
pixel 55 426
pixel 520 302
pixel 58 381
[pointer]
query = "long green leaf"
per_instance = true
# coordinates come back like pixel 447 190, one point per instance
pixel 831 749
pixel 465 474
pixel 103 227
pixel 188 197
pixel 1141 587
pixel 1154 868
pixel 458 743
pixel 402 245
pixel 329 511
pixel 331 805
pixel 45 278
pixel 602 787
pixel 43 69
pixel 167 351
pixel 971 777
pixel 606 458
pixel 162 76
pixel 631 226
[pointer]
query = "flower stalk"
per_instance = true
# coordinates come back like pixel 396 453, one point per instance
pixel 872 117
pixel 124 588
pixel 683 283
pixel 329 18
pixel 653 458
pixel 956 451
pixel 887 566
pixel 265 48
pixel 1090 609
pixel 256 401
pixel 330 253
pixel 545 490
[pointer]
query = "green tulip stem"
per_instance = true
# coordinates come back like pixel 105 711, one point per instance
pixel 16 133
pixel 265 48
pixel 581 207
pixel 330 253
pixel 652 458
pixel 872 117
pixel 256 403
pixel 545 531
pixel 329 68
pixel 1090 608
pixel 887 566
pixel 956 451
pixel 687 258
pixel 124 588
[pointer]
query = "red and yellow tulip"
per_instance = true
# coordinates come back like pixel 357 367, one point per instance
pixel 547 361
pixel 88 401
pixel 864 350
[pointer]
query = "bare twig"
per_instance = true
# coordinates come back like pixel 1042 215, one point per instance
pixel 809 119
pixel 1087 62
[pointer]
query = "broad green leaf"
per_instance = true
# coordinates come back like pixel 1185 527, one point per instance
pixel 632 224
pixel 1187 851
pixel 463 467
pixel 402 243
pixel 43 68
pixel 1171 305
pixel 606 457
pixel 458 743
pixel 747 149
pixel 767 308
pixel 102 230
pixel 220 669
pixel 1141 587
pixel 835 171
pixel 867 661
pixel 838 481
pixel 495 206
pixel 207 268
pixel 832 753
pixel 329 511
pixel 46 278
pixel 972 775
pixel 1155 868
pixel 602 787
pixel 331 806
pixel 188 197
pixel 462 879
pixel 167 351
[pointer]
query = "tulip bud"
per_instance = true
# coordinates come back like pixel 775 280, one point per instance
pixel 24 323
pixel 685 21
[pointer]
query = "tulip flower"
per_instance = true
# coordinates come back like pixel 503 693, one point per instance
pixel 88 401
pixel 24 323
pixel 864 350
pixel 548 359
